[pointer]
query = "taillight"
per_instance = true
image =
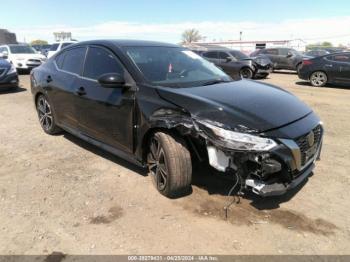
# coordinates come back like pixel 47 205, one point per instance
pixel 307 62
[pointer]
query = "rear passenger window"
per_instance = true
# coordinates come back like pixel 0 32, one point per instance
pixel 223 55
pixel 73 60
pixel 271 51
pixel 341 58
pixel 213 55
pixel 99 62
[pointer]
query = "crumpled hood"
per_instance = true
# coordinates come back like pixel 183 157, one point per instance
pixel 244 103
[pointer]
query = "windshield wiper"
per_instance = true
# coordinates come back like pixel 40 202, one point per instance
pixel 214 82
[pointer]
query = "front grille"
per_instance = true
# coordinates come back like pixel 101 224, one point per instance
pixel 34 61
pixel 305 147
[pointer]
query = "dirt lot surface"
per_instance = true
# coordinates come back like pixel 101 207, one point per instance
pixel 60 194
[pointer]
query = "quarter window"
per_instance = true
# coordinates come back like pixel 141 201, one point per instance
pixel 99 62
pixel 73 60
pixel 59 60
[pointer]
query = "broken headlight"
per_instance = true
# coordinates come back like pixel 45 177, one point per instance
pixel 237 140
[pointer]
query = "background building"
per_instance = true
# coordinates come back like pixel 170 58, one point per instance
pixel 7 37
pixel 250 46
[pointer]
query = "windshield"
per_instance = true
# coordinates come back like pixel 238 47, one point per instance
pixel 54 47
pixel 22 49
pixel 239 55
pixel 174 66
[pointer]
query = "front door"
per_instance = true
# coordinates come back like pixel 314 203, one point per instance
pixel 106 114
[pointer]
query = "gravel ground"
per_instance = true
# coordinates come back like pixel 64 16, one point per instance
pixel 59 194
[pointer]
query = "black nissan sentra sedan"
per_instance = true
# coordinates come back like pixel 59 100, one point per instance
pixel 8 75
pixel 163 106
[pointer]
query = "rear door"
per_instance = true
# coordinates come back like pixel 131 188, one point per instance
pixel 231 67
pixel 286 58
pixel 106 114
pixel 342 62
pixel 61 85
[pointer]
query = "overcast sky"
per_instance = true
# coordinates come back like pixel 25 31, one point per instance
pixel 313 21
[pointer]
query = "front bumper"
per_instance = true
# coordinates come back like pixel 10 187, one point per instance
pixel 275 172
pixel 27 64
pixel 9 81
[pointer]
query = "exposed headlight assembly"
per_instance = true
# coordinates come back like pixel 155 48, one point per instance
pixel 237 140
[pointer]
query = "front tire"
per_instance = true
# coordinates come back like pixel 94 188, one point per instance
pixel 246 73
pixel 46 118
pixel 169 164
pixel 318 79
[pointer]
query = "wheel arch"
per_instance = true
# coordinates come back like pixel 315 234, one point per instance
pixel 188 139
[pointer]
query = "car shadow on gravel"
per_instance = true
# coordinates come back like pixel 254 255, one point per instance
pixel 305 83
pixel 12 90
pixel 204 177
pixel 102 153
pixel 215 184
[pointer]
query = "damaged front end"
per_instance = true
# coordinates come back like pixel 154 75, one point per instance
pixel 266 166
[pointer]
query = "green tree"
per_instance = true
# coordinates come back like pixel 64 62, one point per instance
pixel 38 42
pixel 319 45
pixel 190 36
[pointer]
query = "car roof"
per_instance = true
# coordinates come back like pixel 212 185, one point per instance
pixel 123 42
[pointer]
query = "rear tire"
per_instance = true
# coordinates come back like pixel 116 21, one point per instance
pixel 246 73
pixel 46 118
pixel 318 79
pixel 169 164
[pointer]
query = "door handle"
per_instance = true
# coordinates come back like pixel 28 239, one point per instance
pixel 329 65
pixel 48 79
pixel 80 91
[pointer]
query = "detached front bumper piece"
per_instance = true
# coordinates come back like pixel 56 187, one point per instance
pixel 276 189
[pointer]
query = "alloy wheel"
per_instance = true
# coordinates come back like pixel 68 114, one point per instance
pixel 246 73
pixel 318 79
pixel 157 165
pixel 44 113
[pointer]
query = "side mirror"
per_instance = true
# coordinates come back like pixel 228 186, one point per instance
pixel 289 54
pixel 229 59
pixel 4 55
pixel 111 80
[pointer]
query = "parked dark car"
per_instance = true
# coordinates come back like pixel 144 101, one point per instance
pixel 332 68
pixel 236 63
pixel 282 58
pixel 8 75
pixel 316 53
pixel 165 107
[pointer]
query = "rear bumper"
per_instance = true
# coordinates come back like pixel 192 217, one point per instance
pixel 9 81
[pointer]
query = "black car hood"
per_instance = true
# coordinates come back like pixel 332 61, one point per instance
pixel 244 103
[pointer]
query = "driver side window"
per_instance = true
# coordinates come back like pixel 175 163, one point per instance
pixel 99 62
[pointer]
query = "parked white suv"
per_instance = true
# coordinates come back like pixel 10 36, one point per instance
pixel 58 46
pixel 23 57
